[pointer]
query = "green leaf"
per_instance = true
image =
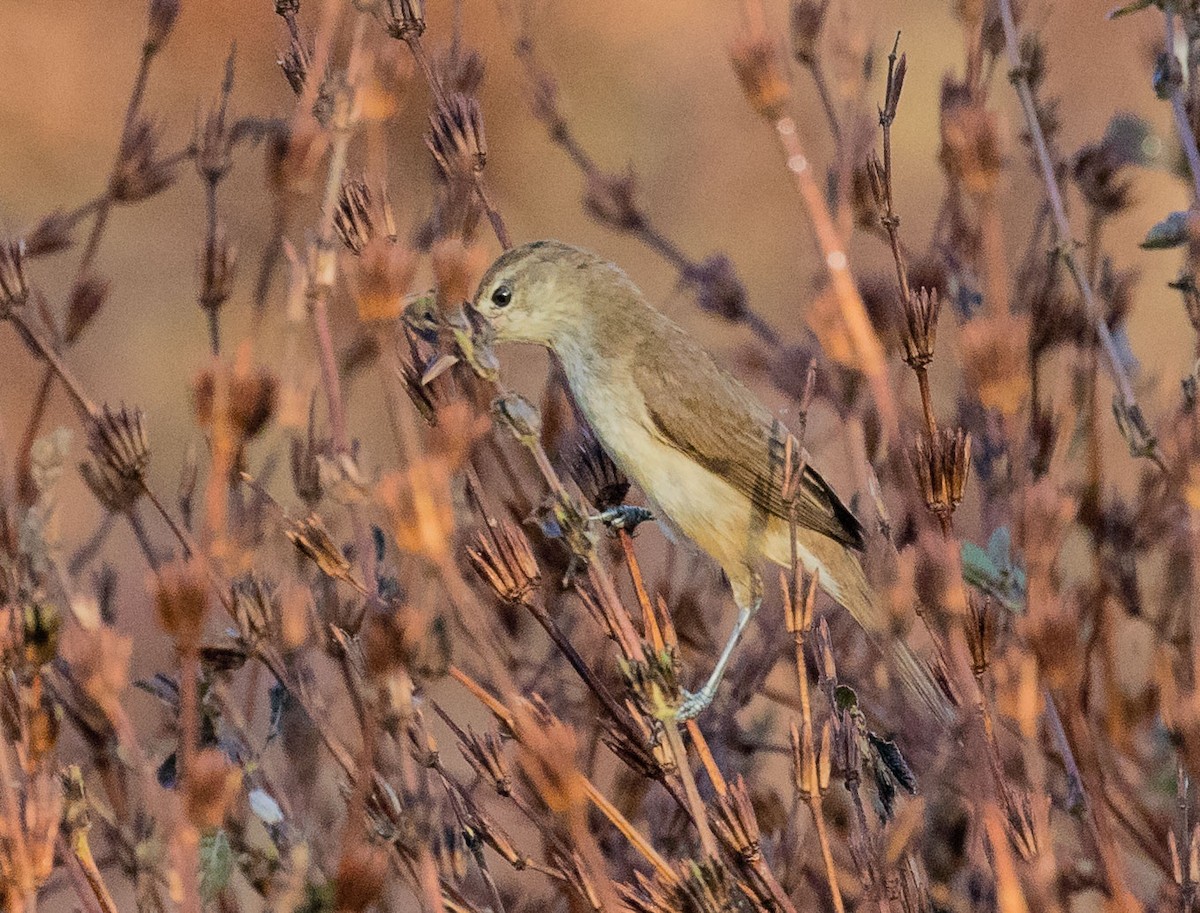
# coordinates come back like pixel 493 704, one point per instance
pixel 1170 232
pixel 1135 7
pixel 216 865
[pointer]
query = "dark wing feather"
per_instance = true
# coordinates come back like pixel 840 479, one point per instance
pixel 704 412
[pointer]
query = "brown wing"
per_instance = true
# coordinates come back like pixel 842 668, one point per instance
pixel 704 412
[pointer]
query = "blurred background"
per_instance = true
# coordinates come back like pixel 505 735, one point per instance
pixel 645 85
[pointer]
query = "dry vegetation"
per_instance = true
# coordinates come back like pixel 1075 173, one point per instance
pixel 436 677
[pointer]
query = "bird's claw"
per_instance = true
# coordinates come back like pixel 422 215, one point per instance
pixel 693 704
pixel 623 516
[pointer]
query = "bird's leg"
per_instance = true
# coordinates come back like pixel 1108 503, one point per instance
pixel 693 704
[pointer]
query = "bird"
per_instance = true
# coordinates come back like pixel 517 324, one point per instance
pixel 704 451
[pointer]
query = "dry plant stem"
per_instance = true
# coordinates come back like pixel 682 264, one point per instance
pixel 708 843
pixel 1183 127
pixel 631 833
pixel 813 797
pixel 12 828
pixel 715 777
pixel 866 344
pixel 1066 242
pixel 81 851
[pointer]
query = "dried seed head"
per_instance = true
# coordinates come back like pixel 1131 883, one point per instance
pixel 287 8
pixel 994 355
pixel 181 598
pixel 736 824
pixel 161 21
pixel 485 753
pixel 460 69
pixel 972 149
pixel 306 458
pixel 213 784
pixel 404 19
pixel 140 173
pixel 756 62
pixel 602 483
pixel 313 541
pixel 118 441
pixel 116 492
pixel 212 140
pixel 218 263
pixel 380 278
pixel 456 138
pixel 719 290
pixel 942 465
pixel 50 235
pixel 611 199
pixel 14 290
pixel 921 310
pixel 353 219
pixel 807 20
pixel 253 392
pixel 980 630
pixel 504 559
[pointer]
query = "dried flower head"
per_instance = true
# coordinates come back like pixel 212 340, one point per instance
pixel 994 353
pixel 457 269
pixel 252 396
pixel 181 598
pixel 118 441
pixel 313 541
pixel 116 492
pixel 161 21
pixel 504 559
pixel 212 139
pixel 460 69
pixel 88 295
pixel 456 138
pixel 719 289
pixel 942 465
pixel 807 20
pixel 380 278
pixel 213 784
pixel 140 173
pixel 756 62
pixel 972 150
pixel 354 220
pixel 295 63
pixel 919 336
pixel 403 19
pixel 14 290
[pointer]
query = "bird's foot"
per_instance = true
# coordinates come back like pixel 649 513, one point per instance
pixel 693 704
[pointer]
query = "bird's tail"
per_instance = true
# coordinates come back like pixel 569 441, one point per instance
pixel 849 587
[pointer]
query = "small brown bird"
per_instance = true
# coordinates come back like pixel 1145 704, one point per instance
pixel 706 453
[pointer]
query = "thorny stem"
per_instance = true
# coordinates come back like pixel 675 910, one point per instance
pixel 1124 386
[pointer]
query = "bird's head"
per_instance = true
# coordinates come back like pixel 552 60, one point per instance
pixel 545 291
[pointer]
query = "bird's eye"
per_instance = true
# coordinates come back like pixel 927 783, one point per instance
pixel 502 296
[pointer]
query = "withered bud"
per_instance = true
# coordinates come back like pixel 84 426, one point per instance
pixel 803 767
pixel 117 439
pixel 313 541
pixel 486 754
pixel 919 338
pixel 404 19
pixel 287 8
pixel 380 278
pixel 504 559
pixel 253 391
pixel 895 85
pixel 181 598
pixel 942 465
pixel 758 68
pixel 212 139
pixel 980 630
pixel 972 149
pixel 719 289
pixel 50 235
pixel 306 456
pixel 161 21
pixel 218 263
pixel 14 290
pixel 520 416
pixel 807 20
pixel 295 63
pixel 736 824
pixel 139 173
pixel 611 199
pixel 602 483
pixel 213 784
pixel 87 298
pixel 456 137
